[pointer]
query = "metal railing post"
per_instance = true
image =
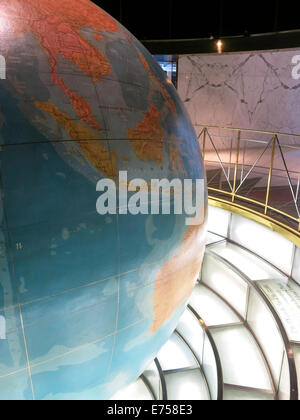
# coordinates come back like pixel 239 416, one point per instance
pixel 204 142
pixel 297 197
pixel 236 166
pixel 270 173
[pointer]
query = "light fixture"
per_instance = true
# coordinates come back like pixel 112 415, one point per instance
pixel 220 46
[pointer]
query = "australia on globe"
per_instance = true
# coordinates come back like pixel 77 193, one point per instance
pixel 86 300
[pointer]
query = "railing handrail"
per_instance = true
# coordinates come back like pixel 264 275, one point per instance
pixel 234 195
pixel 207 333
pixel 247 130
pixel 258 167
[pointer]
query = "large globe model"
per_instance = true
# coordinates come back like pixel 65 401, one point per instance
pixel 86 301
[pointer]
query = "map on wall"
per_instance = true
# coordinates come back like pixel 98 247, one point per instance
pixel 253 90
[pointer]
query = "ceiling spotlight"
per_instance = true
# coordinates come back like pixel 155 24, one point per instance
pixel 220 46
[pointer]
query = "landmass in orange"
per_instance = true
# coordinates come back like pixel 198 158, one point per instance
pixel 56 25
pixel 176 280
pixel 147 138
pixel 151 129
pixel 98 37
pixel 175 157
pixel 86 138
pixel 157 85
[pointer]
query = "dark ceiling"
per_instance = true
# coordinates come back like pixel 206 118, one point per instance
pixel 174 19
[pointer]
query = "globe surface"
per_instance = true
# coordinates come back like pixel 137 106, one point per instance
pixel 86 301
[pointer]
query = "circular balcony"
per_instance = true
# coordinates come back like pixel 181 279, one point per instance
pixel 255 174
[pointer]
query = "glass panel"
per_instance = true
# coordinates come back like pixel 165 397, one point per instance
pixel 296 268
pixel 285 297
pixel 169 65
pixel 134 392
pixel 284 186
pixel 212 238
pixel 209 367
pixel 214 172
pixel 191 330
pixel 211 308
pixel 235 394
pixel 265 329
pixel 227 284
pixel 297 360
pixel 249 264
pixel 253 174
pixel 176 355
pixel 153 377
pixel 261 240
pixel 281 195
pixel 284 386
pixel 241 360
pixel 187 386
pixel 218 221
pixel 220 157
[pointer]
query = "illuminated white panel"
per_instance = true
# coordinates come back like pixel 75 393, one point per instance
pixel 153 377
pixel 297 360
pixel 241 360
pixel 134 392
pixel 187 386
pixel 253 267
pixel 191 330
pixel 270 245
pixel 284 386
pixel 211 238
pixel 237 394
pixel 225 282
pixel 264 327
pixel 209 367
pixel 175 354
pixel 296 269
pixel 211 308
pixel 285 297
pixel 218 221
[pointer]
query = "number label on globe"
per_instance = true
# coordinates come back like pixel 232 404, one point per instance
pixel 2 68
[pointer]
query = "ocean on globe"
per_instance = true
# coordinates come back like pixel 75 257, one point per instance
pixel 86 301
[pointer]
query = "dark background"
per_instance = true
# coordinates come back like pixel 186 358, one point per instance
pixel 186 19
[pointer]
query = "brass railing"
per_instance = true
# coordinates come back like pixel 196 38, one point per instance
pixel 256 171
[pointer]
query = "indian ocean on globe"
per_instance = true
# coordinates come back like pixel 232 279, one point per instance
pixel 86 300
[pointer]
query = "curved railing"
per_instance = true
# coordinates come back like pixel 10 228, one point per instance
pixel 154 380
pixel 291 373
pixel 267 303
pixel 216 383
pixel 163 394
pixel 202 357
pixel 256 171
